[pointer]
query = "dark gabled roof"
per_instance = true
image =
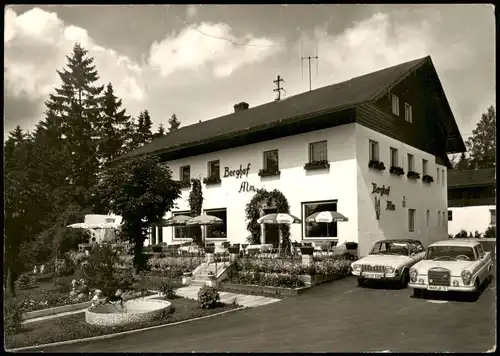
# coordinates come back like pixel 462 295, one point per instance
pixel 324 100
pixel 471 178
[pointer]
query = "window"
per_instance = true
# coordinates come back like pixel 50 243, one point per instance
pixel 217 231
pixel 439 217
pixel 442 176
pixel 184 232
pixel 480 251
pixel 271 161
pixel 317 151
pixel 319 230
pixel 450 215
pixel 185 174
pixel 395 105
pixel 373 150
pixel 428 217
pixel 411 163
pixel 214 169
pixel 493 213
pixel 411 220
pixel 408 113
pixel 424 167
pixel 394 157
pixel 160 234
pixel 437 175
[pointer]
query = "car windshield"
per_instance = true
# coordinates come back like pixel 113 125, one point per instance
pixel 450 253
pixel 390 248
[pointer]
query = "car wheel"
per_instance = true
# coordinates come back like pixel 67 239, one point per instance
pixel 418 293
pixel 477 291
pixel 405 278
pixel 361 282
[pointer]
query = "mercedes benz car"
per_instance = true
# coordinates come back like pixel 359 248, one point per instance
pixel 389 260
pixel 452 265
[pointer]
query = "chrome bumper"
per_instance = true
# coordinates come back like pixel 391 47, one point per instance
pixel 449 288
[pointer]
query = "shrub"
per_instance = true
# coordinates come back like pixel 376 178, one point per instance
pixel 63 284
pixel 156 248
pixel 25 281
pixel 101 270
pixel 208 297
pixel 167 288
pixel 125 278
pixel 12 316
pixel 63 266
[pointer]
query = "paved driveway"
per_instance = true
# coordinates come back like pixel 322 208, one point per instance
pixel 335 317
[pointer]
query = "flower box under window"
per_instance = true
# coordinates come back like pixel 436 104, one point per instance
pixel 211 180
pixel 185 183
pixel 316 165
pixel 397 171
pixel 413 175
pixel 427 178
pixel 269 172
pixel 378 165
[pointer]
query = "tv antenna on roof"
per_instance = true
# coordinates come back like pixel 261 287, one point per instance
pixel 309 62
pixel 279 88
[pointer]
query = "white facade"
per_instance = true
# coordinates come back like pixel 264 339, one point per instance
pixel 348 182
pixel 471 219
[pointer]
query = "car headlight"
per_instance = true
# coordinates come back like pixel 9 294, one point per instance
pixel 466 277
pixel 413 275
pixel 389 269
pixel 356 268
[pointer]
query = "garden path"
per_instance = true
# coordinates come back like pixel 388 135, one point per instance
pixel 191 292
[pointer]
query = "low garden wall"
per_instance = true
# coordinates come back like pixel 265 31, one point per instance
pixel 68 308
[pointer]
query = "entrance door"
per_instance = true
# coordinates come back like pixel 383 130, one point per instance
pixel 272 230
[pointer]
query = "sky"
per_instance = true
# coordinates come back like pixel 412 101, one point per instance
pixel 197 61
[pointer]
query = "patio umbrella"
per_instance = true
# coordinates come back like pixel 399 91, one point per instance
pixel 326 217
pixel 79 226
pixel 279 218
pixel 176 220
pixel 205 220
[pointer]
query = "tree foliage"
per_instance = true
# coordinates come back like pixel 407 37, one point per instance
pixel 195 203
pixel 140 190
pixel 481 146
pixel 174 123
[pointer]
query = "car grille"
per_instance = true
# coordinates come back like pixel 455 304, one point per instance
pixel 370 268
pixel 439 277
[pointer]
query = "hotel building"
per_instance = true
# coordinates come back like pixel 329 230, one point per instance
pixel 373 148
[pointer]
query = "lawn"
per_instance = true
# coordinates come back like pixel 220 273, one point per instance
pixel 74 326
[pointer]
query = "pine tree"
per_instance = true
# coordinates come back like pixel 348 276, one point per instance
pixel 174 123
pixel 463 162
pixel 482 145
pixel 143 131
pixel 113 126
pixel 77 103
pixel 160 132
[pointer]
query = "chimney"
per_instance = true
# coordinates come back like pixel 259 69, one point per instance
pixel 241 106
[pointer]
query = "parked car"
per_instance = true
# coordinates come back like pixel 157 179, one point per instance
pixel 452 266
pixel 389 260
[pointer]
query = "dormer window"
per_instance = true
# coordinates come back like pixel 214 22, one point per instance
pixel 395 105
pixel 408 113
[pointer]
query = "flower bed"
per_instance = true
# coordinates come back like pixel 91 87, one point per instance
pixel 74 326
pixel 285 274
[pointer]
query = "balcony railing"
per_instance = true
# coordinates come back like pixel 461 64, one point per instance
pixel 457 203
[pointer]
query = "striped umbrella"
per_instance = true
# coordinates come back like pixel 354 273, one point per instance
pixel 176 220
pixel 279 218
pixel 326 217
pixel 205 220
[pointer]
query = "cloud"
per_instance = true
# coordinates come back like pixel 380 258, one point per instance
pixel 191 11
pixel 381 41
pixel 36 44
pixel 209 47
